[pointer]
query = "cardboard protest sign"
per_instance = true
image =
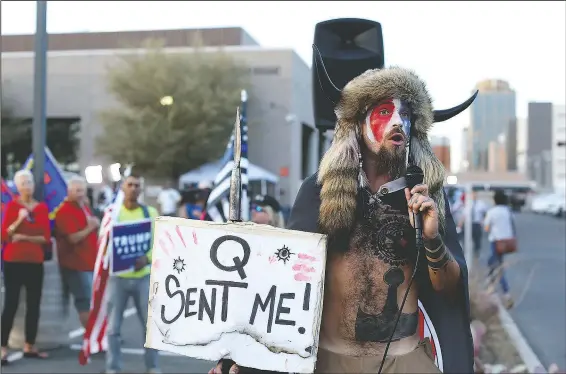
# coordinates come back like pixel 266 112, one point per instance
pixel 130 240
pixel 248 292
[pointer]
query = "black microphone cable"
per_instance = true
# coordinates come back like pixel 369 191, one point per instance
pixel 413 177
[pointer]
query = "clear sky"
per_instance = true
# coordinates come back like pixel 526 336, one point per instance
pixel 451 45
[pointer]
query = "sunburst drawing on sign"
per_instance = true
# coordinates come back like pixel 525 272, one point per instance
pixel 179 265
pixel 284 254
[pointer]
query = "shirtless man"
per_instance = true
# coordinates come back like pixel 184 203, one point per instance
pixel 360 201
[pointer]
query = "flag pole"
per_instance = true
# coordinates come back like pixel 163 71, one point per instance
pixel 235 213
pixel 236 178
pixel 39 98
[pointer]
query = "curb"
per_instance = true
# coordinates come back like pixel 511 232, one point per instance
pixel 529 357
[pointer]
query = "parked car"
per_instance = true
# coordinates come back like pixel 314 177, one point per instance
pixel 540 203
pixel 556 205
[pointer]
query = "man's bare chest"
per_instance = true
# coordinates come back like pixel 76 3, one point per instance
pixel 370 279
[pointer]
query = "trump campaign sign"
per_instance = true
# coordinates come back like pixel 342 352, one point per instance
pixel 130 240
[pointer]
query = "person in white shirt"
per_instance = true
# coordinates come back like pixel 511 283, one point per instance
pixel 479 210
pixel 168 199
pixel 499 225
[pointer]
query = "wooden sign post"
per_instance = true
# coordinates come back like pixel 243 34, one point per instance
pixel 252 293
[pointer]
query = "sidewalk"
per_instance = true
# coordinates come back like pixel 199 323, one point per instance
pixel 65 360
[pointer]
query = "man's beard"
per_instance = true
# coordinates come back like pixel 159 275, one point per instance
pixel 390 161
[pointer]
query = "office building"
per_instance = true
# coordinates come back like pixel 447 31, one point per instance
pixel 539 144
pixel 283 139
pixel 522 145
pixel 441 148
pixel 559 148
pixel 497 155
pixel 491 113
pixel 511 145
pixel 464 149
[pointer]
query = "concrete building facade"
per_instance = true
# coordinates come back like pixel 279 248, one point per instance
pixel 511 145
pixel 491 113
pixel 497 157
pixel 539 144
pixel 522 145
pixel 282 137
pixel 559 148
pixel 464 151
pixel 441 148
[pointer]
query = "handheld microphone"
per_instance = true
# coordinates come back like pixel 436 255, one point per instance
pixel 413 177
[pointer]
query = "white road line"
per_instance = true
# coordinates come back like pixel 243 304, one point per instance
pixel 72 335
pixel 523 348
pixel 80 331
pixel 131 351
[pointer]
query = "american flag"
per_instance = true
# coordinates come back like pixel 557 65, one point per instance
pixel 94 339
pixel 217 205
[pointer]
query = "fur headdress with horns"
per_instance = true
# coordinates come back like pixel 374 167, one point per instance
pixel 339 168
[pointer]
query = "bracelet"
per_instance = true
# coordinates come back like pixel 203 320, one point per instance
pixel 432 245
pixel 439 257
pixel 438 253
pixel 437 265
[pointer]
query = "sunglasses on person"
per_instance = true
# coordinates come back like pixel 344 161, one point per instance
pixel 258 208
pixel 30 217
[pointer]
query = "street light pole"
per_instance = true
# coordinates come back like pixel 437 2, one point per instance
pixel 39 99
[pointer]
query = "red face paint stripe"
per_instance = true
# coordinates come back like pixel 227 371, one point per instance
pixel 379 119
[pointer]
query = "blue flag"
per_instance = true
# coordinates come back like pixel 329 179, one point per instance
pixel 55 187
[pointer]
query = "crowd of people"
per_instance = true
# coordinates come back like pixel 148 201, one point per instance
pixel 27 233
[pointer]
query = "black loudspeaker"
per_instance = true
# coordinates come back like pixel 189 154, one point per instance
pixel 348 47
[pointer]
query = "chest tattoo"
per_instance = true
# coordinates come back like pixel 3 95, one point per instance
pixel 387 234
pixel 378 328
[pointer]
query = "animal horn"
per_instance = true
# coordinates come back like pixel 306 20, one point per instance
pixel 445 114
pixel 328 87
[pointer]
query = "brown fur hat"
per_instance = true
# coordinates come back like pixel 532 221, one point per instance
pixel 338 172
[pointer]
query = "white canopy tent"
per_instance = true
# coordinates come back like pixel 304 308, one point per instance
pixel 208 172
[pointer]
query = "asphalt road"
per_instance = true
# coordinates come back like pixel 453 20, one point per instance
pixel 537 278
pixel 65 360
pixel 536 275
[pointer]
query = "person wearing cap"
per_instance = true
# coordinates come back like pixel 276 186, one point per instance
pixel 266 210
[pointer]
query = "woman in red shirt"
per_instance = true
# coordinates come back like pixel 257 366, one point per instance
pixel 26 231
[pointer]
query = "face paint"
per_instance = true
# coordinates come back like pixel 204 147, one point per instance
pixel 381 119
